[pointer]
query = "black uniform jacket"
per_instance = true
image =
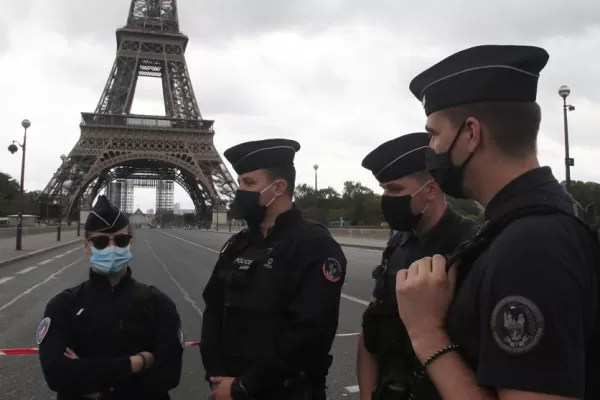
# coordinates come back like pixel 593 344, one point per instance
pixel 104 326
pixel 285 319
pixel 524 315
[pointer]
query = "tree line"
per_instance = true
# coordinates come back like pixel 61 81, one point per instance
pixel 356 205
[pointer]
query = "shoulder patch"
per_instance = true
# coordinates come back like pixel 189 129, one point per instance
pixel 332 270
pixel 42 330
pixel 181 338
pixel 517 325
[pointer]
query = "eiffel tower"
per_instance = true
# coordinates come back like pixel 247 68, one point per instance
pixel 116 145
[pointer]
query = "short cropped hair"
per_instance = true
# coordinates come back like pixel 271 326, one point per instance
pixel 287 173
pixel 513 125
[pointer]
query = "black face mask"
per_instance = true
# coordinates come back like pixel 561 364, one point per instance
pixel 246 206
pixel 449 176
pixel 398 213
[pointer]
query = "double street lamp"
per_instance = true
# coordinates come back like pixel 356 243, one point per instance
pixel 13 149
pixel 564 91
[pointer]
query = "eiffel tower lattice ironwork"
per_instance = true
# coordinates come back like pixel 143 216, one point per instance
pixel 115 144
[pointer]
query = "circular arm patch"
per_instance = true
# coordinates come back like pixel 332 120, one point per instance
pixel 517 324
pixel 332 270
pixel 42 330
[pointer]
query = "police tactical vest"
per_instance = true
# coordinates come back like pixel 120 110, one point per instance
pixel 384 334
pixel 256 294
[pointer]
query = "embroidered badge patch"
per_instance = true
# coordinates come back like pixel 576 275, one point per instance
pixel 332 270
pixel 181 338
pixel 517 325
pixel 42 330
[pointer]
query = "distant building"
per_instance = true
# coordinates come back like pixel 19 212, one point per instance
pixel 138 218
pixel 150 211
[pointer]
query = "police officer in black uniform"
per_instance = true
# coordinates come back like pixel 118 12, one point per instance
pixel 111 337
pixel 272 302
pixel 416 209
pixel 524 322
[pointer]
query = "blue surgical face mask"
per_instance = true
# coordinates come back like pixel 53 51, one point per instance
pixel 110 260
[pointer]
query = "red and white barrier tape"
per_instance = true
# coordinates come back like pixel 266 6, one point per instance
pixel 34 350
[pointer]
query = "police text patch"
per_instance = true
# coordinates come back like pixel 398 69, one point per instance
pixel 517 324
pixel 42 330
pixel 332 270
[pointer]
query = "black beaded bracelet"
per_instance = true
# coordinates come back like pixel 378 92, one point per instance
pixel 143 357
pixel 442 351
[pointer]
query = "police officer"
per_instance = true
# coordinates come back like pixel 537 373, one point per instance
pixel 524 323
pixel 424 224
pixel 111 337
pixel 272 302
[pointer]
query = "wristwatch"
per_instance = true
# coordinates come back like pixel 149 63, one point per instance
pixel 237 391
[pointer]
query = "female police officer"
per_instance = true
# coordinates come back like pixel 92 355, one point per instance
pixel 111 337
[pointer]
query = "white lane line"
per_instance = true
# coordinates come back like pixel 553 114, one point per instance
pixel 352 389
pixel 26 270
pixel 186 295
pixel 192 243
pixel 59 255
pixel 45 262
pixel 48 279
pixel 355 299
pixel 345 296
pixel 4 280
pixel 347 334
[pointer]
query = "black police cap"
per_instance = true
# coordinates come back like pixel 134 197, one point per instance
pixel 481 73
pixel 262 154
pixel 105 217
pixel 398 157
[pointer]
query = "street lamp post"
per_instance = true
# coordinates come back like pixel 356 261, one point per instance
pixel 60 195
pixel 13 149
pixel 316 167
pixel 564 91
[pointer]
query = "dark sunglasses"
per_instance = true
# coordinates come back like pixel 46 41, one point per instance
pixel 102 242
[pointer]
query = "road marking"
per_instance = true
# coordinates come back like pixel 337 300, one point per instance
pixel 59 256
pixel 48 279
pixel 192 243
pixel 352 389
pixel 26 270
pixel 347 297
pixel 355 299
pixel 45 262
pixel 186 295
pixel 347 334
pixel 4 280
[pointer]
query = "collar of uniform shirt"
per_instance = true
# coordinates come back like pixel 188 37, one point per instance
pixel 522 184
pixel 441 228
pixel 99 279
pixel 282 222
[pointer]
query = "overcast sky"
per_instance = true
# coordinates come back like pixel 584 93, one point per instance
pixel 331 74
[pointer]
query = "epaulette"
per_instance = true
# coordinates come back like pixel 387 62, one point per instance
pixel 234 239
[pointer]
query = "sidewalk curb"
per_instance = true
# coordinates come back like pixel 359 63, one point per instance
pixel 4 263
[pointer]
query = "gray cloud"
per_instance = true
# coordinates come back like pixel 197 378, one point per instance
pixel 332 74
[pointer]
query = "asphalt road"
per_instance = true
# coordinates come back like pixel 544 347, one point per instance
pixel 177 261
